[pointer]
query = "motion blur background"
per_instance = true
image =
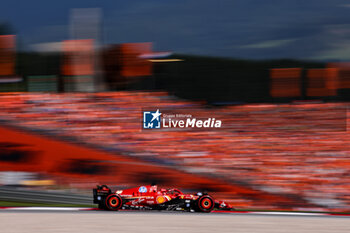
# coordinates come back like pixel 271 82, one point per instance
pixel 75 77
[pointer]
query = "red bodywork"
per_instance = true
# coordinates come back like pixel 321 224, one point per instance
pixel 150 197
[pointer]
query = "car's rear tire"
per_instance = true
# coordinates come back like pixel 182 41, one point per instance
pixel 205 204
pixel 113 202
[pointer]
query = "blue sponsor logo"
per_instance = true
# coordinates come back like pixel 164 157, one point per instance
pixel 151 120
pixel 142 189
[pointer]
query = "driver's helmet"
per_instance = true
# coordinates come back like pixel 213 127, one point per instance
pixel 153 188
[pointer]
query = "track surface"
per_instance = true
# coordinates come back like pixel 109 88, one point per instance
pixel 13 221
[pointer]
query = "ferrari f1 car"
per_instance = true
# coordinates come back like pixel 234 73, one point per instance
pixel 151 198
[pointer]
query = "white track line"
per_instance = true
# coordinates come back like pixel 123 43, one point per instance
pixel 234 212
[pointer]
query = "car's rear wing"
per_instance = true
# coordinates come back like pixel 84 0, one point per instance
pixel 100 193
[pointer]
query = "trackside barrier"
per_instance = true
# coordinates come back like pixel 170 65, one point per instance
pixel 23 195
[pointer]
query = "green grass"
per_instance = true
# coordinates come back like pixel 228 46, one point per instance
pixel 27 204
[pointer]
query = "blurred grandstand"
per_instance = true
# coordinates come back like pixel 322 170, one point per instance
pixel 71 117
pixel 296 151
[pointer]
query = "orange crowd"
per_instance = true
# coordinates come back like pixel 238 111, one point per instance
pixel 297 150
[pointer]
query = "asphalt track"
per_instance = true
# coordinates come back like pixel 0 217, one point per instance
pixel 72 221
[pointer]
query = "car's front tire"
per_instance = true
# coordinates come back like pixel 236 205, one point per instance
pixel 205 204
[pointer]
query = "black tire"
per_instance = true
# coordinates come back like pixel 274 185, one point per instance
pixel 205 204
pixel 113 202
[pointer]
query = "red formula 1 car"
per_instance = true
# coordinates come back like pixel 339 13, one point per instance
pixel 151 198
